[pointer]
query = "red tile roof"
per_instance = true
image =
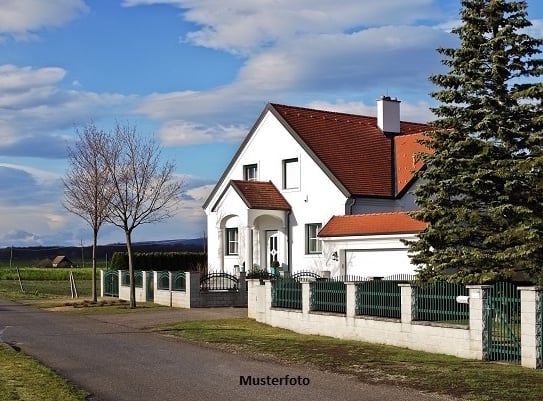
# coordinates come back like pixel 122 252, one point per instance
pixel 354 149
pixel 260 195
pixel 371 224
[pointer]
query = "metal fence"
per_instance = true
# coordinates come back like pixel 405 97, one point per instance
pixel 287 293
pixel 138 278
pixel 437 302
pixel 179 282
pixel 163 280
pixel 328 295
pixel 111 283
pixel 219 282
pixel 503 325
pixel 378 298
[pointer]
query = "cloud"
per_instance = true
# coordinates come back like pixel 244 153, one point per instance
pixel 36 113
pixel 22 18
pixel 22 185
pixel 181 133
pixel 246 26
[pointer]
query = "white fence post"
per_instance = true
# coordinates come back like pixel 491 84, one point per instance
pixel 350 299
pixel 531 299
pixel 478 319
pixel 306 297
pixel 406 303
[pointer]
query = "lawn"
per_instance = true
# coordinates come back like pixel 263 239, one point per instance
pixel 24 379
pixel 467 379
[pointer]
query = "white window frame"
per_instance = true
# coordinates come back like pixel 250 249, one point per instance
pixel 232 241
pixel 313 244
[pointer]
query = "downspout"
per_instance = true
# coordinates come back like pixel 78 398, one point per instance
pixel 349 203
pixel 289 246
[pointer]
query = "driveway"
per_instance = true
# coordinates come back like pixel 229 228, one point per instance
pixel 115 359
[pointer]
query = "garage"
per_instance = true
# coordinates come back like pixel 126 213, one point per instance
pixel 378 262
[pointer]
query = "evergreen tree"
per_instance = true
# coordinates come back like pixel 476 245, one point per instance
pixel 482 189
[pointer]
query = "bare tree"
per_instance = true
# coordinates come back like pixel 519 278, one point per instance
pixel 86 184
pixel 145 190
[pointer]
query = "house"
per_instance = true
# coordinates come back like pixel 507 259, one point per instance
pixel 62 261
pixel 318 190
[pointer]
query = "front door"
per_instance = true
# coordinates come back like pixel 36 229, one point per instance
pixel 272 240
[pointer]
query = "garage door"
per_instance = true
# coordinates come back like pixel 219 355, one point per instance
pixel 378 262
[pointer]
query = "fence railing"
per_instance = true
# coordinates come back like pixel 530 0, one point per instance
pixel 379 298
pixel 287 293
pixel 219 282
pixel 437 303
pixel 179 281
pixel 328 296
pixel 305 276
pixel 138 278
pixel 163 280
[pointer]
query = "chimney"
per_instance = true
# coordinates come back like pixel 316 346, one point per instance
pixel 388 114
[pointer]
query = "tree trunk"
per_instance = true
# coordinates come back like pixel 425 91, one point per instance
pixel 94 241
pixel 128 235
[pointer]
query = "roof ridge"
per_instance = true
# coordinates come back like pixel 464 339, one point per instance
pixel 342 113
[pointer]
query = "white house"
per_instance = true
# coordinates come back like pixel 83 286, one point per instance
pixel 318 190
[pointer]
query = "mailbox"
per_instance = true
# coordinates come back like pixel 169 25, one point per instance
pixel 462 299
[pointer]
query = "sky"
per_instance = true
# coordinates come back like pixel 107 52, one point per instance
pixel 195 75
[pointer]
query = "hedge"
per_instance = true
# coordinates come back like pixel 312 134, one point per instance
pixel 172 261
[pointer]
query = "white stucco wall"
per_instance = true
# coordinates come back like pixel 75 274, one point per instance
pixel 315 201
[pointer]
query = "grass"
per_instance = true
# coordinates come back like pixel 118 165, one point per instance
pixel 468 379
pixel 43 289
pixel 46 273
pixel 24 379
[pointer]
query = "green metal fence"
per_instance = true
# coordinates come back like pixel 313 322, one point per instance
pixel 179 281
pixel 378 298
pixel 437 303
pixel 163 280
pixel 286 293
pixel 125 278
pixel 503 324
pixel 138 278
pixel 111 283
pixel 328 296
pixel 219 282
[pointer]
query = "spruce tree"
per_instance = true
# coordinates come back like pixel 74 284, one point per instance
pixel 482 189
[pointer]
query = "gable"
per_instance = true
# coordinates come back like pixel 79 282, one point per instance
pixel 354 149
pixel 355 155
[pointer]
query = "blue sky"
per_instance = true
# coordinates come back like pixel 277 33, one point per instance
pixel 196 75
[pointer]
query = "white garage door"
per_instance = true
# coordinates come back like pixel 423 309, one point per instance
pixel 378 262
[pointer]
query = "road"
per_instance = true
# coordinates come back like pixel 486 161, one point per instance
pixel 115 358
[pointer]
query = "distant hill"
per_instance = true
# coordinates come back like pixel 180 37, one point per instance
pixel 35 254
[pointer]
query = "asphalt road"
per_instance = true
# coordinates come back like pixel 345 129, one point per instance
pixel 115 359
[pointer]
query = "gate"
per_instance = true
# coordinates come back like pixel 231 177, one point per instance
pixel 111 283
pixel 503 323
pixel 150 290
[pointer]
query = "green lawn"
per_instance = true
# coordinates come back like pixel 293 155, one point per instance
pixel 467 379
pixel 24 379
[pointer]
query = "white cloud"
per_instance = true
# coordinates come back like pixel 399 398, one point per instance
pixel 22 18
pixel 245 26
pixel 180 133
pixel 33 106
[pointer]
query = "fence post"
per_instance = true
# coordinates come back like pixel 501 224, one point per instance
pixel 192 288
pixel 350 299
pixel 306 297
pixel 407 304
pixel 478 320
pixel 531 299
pixel 102 283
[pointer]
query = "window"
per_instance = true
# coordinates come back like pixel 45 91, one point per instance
pixel 232 241
pixel 291 173
pixel 250 172
pixel 313 243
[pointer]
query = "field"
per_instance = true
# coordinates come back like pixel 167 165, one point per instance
pixel 37 283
